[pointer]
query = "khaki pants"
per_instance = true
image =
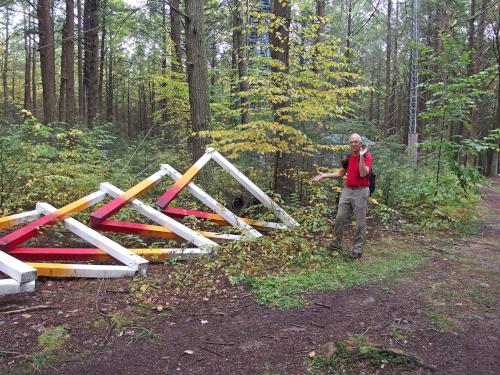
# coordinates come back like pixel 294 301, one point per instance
pixel 352 201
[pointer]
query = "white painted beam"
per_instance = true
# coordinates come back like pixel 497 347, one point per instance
pixel 117 251
pixel 148 211
pixel 254 189
pixel 10 286
pixel 217 207
pixel 16 269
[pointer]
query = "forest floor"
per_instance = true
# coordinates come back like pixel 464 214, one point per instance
pixel 443 315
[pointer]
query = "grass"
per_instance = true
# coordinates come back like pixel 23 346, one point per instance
pixel 290 290
pixel 442 322
pixel 349 354
pixel 52 345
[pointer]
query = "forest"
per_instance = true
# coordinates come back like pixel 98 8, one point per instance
pixel 108 90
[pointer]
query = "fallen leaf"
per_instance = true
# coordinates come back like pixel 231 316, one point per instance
pixel 26 316
pixel 204 321
pixel 188 352
pixel 312 354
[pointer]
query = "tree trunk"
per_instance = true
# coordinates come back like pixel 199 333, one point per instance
pixel 239 55
pixel 33 77
pixel 81 87
pixel 388 71
pixel 197 75
pixel 175 35
pixel 109 88
pixel 5 64
pixel 349 30
pixel 68 60
pixel 102 54
pixel 320 33
pixel 27 63
pixel 47 59
pixel 91 48
pixel 279 38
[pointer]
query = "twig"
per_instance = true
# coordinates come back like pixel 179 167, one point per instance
pixel 217 343
pixel 323 305
pixel 241 308
pixel 317 325
pixel 97 300
pixel 108 334
pixel 41 307
pixel 211 351
pixel 204 314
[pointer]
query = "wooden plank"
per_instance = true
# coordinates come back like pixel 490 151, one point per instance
pixel 254 190
pixel 217 207
pixel 184 180
pixel 10 286
pixel 178 212
pixel 16 269
pixel 89 254
pixel 82 270
pixel 117 251
pixel 118 202
pixel 28 231
pixel 158 231
pixel 13 220
pixel 176 227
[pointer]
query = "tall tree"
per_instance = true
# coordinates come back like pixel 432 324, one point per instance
pixel 91 48
pixel 175 35
pixel 67 97
pixel 388 72
pixel 81 89
pixel 239 55
pixel 47 59
pixel 27 61
pixel 197 74
pixel 280 48
pixel 5 61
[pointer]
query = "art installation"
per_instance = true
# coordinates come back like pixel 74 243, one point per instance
pixel 22 265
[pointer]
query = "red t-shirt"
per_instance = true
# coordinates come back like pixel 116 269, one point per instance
pixel 353 177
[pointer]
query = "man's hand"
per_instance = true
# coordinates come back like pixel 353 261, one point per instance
pixel 362 152
pixel 318 177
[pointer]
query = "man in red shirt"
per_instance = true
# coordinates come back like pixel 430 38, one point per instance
pixel 354 197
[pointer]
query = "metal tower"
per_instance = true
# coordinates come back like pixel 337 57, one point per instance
pixel 412 126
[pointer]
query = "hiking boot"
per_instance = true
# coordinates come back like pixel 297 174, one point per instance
pixel 354 255
pixel 335 246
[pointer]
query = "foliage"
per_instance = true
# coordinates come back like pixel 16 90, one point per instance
pixel 347 354
pixel 51 343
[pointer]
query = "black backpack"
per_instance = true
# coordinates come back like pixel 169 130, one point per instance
pixel 371 177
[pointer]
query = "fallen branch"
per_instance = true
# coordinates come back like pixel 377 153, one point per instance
pixel 34 308
pixel 217 343
pixel 210 351
pixel 322 305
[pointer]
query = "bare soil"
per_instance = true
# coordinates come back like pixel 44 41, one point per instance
pixel 446 312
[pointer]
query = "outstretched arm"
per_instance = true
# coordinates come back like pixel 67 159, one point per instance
pixel 339 174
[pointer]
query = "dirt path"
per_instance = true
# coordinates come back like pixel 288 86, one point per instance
pixel 446 312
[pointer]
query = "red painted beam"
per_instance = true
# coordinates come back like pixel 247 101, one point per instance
pixel 137 228
pixel 28 231
pixel 30 254
pixel 182 182
pixel 116 204
pixel 182 212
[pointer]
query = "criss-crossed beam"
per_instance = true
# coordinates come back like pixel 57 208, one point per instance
pixel 182 182
pixel 158 231
pixel 38 254
pixel 120 201
pixel 117 251
pixel 162 219
pixel 219 220
pixel 254 189
pixel 28 231
pixel 217 207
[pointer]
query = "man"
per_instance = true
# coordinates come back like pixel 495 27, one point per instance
pixel 354 197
